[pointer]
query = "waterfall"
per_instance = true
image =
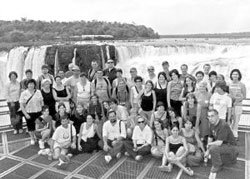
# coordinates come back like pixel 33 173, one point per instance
pixel 102 58
pixel 56 64
pixel 35 59
pixel 74 58
pixel 3 72
pixel 107 52
pixel 15 61
pixel 223 58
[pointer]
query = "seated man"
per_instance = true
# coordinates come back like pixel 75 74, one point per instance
pixel 114 132
pixel 142 139
pixel 223 144
pixel 63 139
pixel 121 111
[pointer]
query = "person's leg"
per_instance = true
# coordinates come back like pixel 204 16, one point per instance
pixel 56 153
pixel 129 146
pixel 117 148
pixel 11 106
pixel 144 150
pixel 237 110
pixel 90 145
pixel 157 151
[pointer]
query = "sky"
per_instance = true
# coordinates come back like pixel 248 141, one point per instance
pixel 164 16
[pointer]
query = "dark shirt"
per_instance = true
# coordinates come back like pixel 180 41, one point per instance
pixel 222 132
pixel 111 74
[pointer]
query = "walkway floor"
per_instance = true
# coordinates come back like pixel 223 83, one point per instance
pixel 18 162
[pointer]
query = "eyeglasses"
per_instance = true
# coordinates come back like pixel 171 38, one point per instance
pixel 140 122
pixel 138 81
pixel 109 62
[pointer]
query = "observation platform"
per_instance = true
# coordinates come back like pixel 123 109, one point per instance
pixel 20 160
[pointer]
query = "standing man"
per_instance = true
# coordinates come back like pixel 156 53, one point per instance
pixel 110 72
pixel 114 132
pixel 101 86
pixel 24 82
pixel 224 143
pixel 133 74
pixel 206 69
pixel 221 101
pixel 165 66
pixel 92 72
pixel 70 72
pixel 45 75
pixel 184 73
pixel 151 75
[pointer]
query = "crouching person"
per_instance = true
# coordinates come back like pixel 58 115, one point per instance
pixel 142 139
pixel 114 133
pixel 43 127
pixel 63 139
pixel 88 139
pixel 222 149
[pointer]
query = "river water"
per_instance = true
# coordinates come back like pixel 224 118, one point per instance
pixel 223 55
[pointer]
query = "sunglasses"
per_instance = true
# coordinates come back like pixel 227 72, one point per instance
pixel 140 122
pixel 138 81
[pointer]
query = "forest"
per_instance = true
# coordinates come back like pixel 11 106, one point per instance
pixel 26 30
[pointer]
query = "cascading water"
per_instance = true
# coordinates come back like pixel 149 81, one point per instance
pixel 3 73
pixel 107 52
pixel 223 58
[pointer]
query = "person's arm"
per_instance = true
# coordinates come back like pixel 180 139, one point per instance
pixel 167 147
pixel 80 138
pixel 168 94
pixel 181 98
pixel 68 94
pixel 132 97
pixel 139 97
pixel 198 115
pixel 180 122
pixel 200 144
pixel 92 86
pixel 184 111
pixel 123 134
pixel 186 149
pixel 154 100
pixel 152 120
pixel 109 88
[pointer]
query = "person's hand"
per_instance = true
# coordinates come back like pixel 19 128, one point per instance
pixel 206 154
pixel 27 116
pixel 178 159
pixel 79 147
pixel 114 143
pixel 106 147
pixel 73 145
pixel 135 149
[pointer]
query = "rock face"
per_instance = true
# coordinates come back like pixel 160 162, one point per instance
pixel 83 57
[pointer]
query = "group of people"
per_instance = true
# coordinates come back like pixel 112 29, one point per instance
pixel 181 118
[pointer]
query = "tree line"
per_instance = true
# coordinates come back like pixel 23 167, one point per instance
pixel 30 30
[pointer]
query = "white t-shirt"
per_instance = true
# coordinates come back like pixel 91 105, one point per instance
pixel 221 103
pixel 62 135
pixel 142 136
pixel 112 132
pixel 87 133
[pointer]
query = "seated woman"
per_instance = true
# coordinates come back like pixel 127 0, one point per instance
pixel 175 153
pixel 160 114
pixel 160 135
pixel 88 140
pixel 79 116
pixel 189 110
pixel 59 115
pixel 195 146
pixel 95 108
pixel 106 108
pixel 142 139
pixel 173 119
pixel 43 127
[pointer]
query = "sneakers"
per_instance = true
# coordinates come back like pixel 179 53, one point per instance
pixel 138 157
pixel 190 172
pixel 15 132
pixel 41 144
pixel 107 158
pixel 32 142
pixel 212 175
pixel 215 169
pixel 118 155
pixel 20 131
pixel 164 168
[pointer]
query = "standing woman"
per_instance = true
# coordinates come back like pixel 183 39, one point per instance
pixel 161 88
pixel 88 140
pixel 203 98
pixel 134 92
pixel 121 93
pixel 12 95
pixel 48 98
pixel 189 110
pixel 147 100
pixel 83 89
pixel 174 92
pixel 61 93
pixel 189 87
pixel 31 102
pixel 237 91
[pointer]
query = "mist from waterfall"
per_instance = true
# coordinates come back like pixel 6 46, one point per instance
pixel 223 58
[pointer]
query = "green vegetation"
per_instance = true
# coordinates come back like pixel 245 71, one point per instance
pixel 234 35
pixel 35 31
